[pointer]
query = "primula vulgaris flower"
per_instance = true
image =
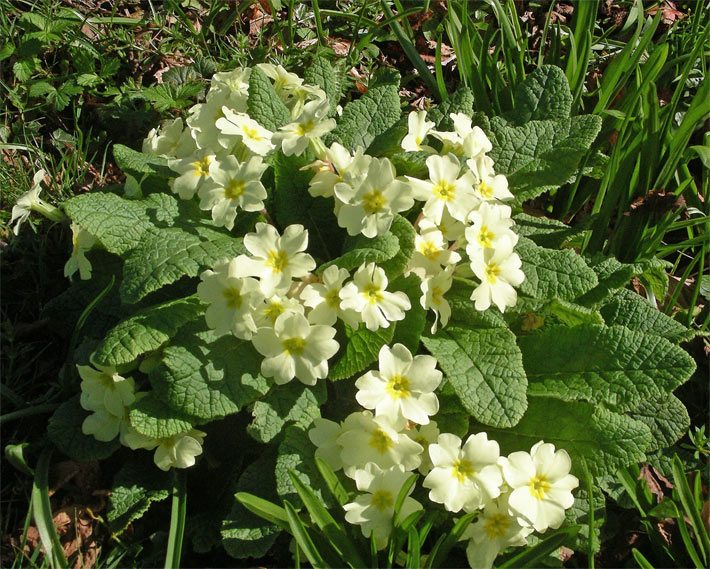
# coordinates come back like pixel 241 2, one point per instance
pixel 366 439
pixel 233 185
pixel 463 477
pixel 338 167
pixel 541 485
pixel 369 207
pixel 489 224
pixel 82 242
pixel 193 171
pixel 466 140
pixel 172 140
pixel 433 290
pixel 267 311
pixel 284 81
pixel 324 435
pixel 419 128
pixel 431 252
pixel 104 426
pixel 367 295
pixel 240 127
pixel 295 348
pixel 425 435
pixel 324 298
pixel 312 123
pixel 103 389
pixel 493 531
pixel 232 299
pixel 374 510
pixel 276 259
pixel 403 387
pixel 446 189
pixel 31 201
pixel 488 186
pixel 499 271
pixel 178 451
pixel 235 81
pixel 204 117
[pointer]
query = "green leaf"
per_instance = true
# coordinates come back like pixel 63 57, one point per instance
pixel 146 331
pixel 323 74
pixel 629 309
pixel 604 439
pixel 485 369
pixel 138 164
pixel 297 454
pixel 409 331
pixel 245 534
pixel 532 556
pixel 166 255
pixel 358 349
pixel 360 250
pixel 544 95
pixel 291 403
pixel 666 417
pixel 153 418
pixel 578 514
pixel 171 96
pixel 135 487
pixel 452 417
pixel 405 234
pixel 572 314
pixel 553 274
pixel 209 380
pixel 119 224
pixel 539 156
pixel 543 231
pixel 291 203
pixel 264 105
pixel 64 429
pixel 370 115
pixel 618 366
pixel 460 101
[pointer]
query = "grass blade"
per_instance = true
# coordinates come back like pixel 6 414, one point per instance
pixel 264 509
pixel 442 547
pixel 300 534
pixel 178 515
pixel 42 513
pixel 334 485
pixel 531 556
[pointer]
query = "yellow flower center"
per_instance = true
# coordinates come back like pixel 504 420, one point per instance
pixel 398 387
pixel 417 141
pixel 491 272
pixel 234 189
pixel 304 128
pixel 274 310
pixel 372 294
pixel 496 526
pixel 251 133
pixel 462 469
pixel 277 260
pixel 444 191
pixel 332 298
pixel 485 237
pixel 373 202
pixel 294 346
pixel 485 190
pixel 380 441
pixel 430 250
pixel 233 297
pixel 382 500
pixel 538 486
pixel 437 295
pixel 202 167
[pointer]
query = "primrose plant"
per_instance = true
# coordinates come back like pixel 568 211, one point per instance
pixel 347 308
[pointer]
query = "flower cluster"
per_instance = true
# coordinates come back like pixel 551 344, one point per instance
pixel 513 495
pixel 109 396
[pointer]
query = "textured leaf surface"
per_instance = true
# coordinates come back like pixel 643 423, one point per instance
pixel 629 309
pixel 245 534
pixel 165 256
pixel 553 274
pixel 666 417
pixel 409 331
pixel 297 453
pixel 136 486
pixel 138 164
pixel 153 418
pixel 544 95
pixel 118 223
pixel 613 275
pixel 263 104
pixel 578 514
pixel 146 331
pixel 618 366
pixel 64 429
pixel 323 74
pixel 606 440
pixel 209 380
pixel 485 369
pixel 543 231
pixel 541 155
pixel 291 403
pixel 460 101
pixel 405 234
pixel 358 349
pixel 360 250
pixel 372 114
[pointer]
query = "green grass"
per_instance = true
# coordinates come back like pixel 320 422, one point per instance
pixel 73 83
